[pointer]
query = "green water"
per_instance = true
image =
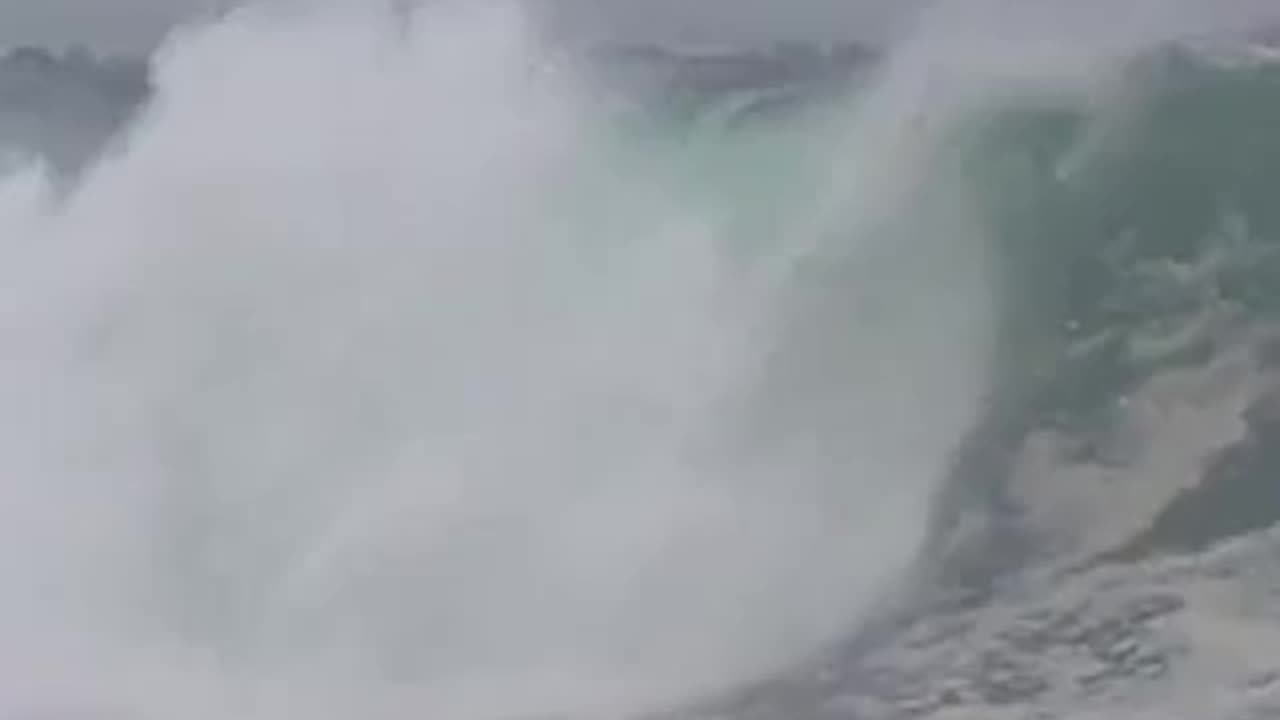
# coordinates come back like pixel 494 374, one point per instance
pixel 1121 227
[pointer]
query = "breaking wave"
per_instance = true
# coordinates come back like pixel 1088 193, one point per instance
pixel 383 368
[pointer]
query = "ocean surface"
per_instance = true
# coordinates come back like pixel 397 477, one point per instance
pixel 362 364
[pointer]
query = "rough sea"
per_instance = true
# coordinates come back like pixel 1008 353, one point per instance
pixel 415 363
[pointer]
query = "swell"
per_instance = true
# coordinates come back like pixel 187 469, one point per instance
pixel 1137 236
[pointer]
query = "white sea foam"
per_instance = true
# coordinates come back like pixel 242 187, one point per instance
pixel 357 381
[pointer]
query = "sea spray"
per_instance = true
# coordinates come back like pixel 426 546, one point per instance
pixel 358 380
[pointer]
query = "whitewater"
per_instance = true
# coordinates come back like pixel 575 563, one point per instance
pixel 372 373
pixel 379 369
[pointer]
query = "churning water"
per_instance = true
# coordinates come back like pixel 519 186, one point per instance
pixel 378 370
pixel 374 372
